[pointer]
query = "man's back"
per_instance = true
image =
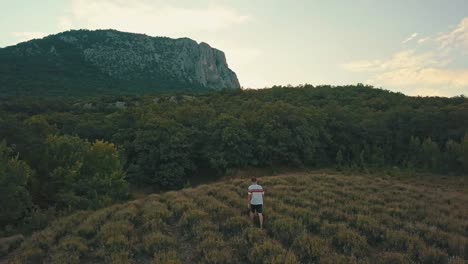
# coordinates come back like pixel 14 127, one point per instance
pixel 257 194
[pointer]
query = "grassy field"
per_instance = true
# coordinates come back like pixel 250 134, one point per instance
pixel 309 218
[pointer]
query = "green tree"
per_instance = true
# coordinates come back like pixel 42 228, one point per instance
pixel 160 154
pixel 82 175
pixel 430 154
pixel 14 175
pixel 339 158
pixel 464 153
pixel 451 157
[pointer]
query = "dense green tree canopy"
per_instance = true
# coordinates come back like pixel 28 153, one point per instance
pixel 80 150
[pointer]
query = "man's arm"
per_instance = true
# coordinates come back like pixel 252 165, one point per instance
pixel 249 198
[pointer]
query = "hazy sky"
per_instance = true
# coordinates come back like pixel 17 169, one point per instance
pixel 418 47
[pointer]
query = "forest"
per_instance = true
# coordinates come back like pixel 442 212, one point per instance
pixel 61 154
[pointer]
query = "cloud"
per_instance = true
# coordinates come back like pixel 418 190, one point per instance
pixel 407 59
pixel 25 36
pixel 429 70
pixel 411 37
pixel 457 38
pixel 150 17
pixel 422 40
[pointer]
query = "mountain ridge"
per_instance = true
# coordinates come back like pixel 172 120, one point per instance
pixel 110 61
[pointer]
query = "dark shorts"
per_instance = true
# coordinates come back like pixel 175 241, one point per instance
pixel 256 208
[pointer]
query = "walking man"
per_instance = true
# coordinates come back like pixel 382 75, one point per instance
pixel 255 201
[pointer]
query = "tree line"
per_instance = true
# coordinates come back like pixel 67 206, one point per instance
pixel 81 153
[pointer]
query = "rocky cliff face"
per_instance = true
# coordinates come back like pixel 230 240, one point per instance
pixel 113 59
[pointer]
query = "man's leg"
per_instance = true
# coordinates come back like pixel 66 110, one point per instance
pixel 260 219
pixel 251 214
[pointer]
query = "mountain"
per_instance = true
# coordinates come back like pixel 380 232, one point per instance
pixel 309 218
pixel 84 62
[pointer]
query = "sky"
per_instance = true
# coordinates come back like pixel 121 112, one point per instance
pixel 417 47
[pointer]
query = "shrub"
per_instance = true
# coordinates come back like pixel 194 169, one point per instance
pixel 89 227
pixel 333 214
pixel 179 206
pixel 456 260
pixel 70 250
pixel 119 227
pixel 349 242
pixel 73 244
pixel 285 229
pixel 152 210
pixel 270 252
pixel 128 212
pixel 166 257
pixel 234 225
pixel 397 240
pixel 158 242
pixel 152 225
pixel 191 218
pixel 119 257
pixel 44 240
pixel 7 244
pixel 369 227
pixel 431 255
pixel 204 229
pixel 116 243
pixel 392 258
pixel 212 249
pixel 243 243
pixel 309 248
pixel 458 245
pixel 310 220
pixel 415 247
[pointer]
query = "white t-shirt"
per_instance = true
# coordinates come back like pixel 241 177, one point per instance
pixel 257 194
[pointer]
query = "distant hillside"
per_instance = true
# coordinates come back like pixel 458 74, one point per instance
pixel 83 62
pixel 309 218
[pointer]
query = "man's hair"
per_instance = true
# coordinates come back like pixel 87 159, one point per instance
pixel 254 179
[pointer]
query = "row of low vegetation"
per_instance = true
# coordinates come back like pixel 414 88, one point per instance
pixel 308 219
pixel 63 154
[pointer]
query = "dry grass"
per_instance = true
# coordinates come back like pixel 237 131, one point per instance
pixel 309 218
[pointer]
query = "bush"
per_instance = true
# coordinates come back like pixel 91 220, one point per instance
pixel 157 242
pixel 458 246
pixel 369 227
pixel 285 229
pixel 397 240
pixel 179 206
pixel 431 255
pixel 456 260
pixel 114 236
pixel 166 257
pixel 393 258
pixel 154 210
pixel 191 218
pixel 311 249
pixel 91 225
pixel 270 252
pixel 349 242
pixel 116 243
pixel 31 255
pixel 119 257
pixel 128 212
pixel 234 225
pixel 212 249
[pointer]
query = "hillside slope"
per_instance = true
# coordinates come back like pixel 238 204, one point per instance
pixel 309 218
pixel 84 62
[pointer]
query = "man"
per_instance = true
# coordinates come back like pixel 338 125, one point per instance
pixel 255 201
